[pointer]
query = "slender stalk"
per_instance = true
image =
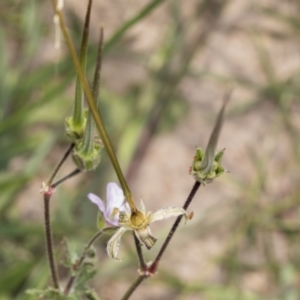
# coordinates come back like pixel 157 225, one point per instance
pixel 81 259
pixel 94 110
pixel 133 287
pixel 49 241
pixel 97 74
pixel 88 138
pixel 153 267
pixel 78 115
pixel 57 168
pixel 143 265
pixel 58 182
pixel 48 233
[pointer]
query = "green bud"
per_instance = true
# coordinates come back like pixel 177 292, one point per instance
pixel 87 160
pixel 75 130
pixel 202 175
pixel 197 165
pixel 199 154
pixel 207 164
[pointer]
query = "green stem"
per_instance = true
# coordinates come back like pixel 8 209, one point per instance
pixel 93 108
pixel 78 116
pixel 88 138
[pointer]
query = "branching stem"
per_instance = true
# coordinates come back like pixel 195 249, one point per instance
pixel 149 271
pixel 60 181
pixel 57 168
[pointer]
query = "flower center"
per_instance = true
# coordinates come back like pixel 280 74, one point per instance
pixel 137 218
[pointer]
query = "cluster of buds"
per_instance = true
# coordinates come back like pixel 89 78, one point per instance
pixel 207 165
pixel 206 175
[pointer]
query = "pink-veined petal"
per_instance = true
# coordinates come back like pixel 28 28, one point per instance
pixel 96 200
pixel 113 244
pixel 114 197
pixel 114 222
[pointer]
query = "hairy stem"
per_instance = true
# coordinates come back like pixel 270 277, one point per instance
pixel 153 267
pixel 47 221
pixel 49 241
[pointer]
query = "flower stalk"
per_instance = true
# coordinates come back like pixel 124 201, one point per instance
pixel 49 241
pixel 153 266
pixel 61 162
pixel 78 116
pixel 60 181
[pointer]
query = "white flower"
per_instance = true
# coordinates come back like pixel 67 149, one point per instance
pixel 115 203
pixel 139 222
pixel 117 213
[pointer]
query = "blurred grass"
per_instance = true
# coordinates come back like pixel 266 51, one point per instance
pixel 35 96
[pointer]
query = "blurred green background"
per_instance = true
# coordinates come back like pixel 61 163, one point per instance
pixel 166 67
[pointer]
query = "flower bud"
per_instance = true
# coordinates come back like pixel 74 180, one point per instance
pixel 87 160
pixel 207 164
pixel 75 130
pixel 203 175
